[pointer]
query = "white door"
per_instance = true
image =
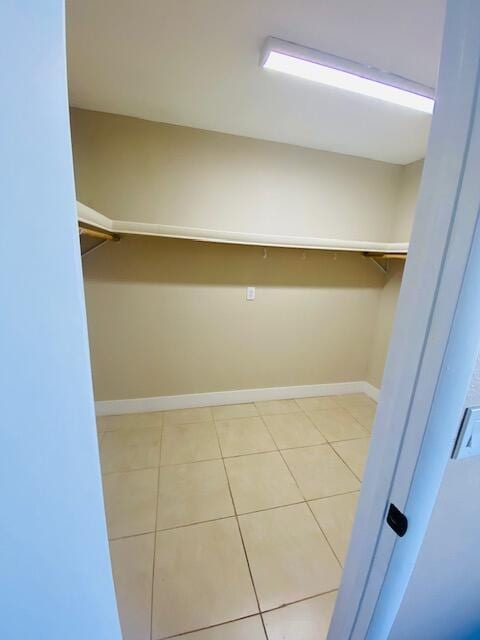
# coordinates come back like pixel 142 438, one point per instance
pixel 55 575
pixel 432 353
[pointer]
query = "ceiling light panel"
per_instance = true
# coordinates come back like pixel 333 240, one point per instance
pixel 340 73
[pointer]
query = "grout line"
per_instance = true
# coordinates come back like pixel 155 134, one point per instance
pixel 367 429
pixel 326 537
pixel 252 415
pixel 238 455
pixel 253 453
pixel 253 615
pixel 321 444
pixel 213 626
pixel 308 505
pixel 111 473
pixel 288 604
pixel 307 415
pixel 345 462
pixel 132 535
pixel 241 536
pixel 155 533
pixel 232 515
pixel 133 427
pixel 343 439
pixel 263 625
pixel 186 424
pixel 331 442
pixel 179 464
pixel 335 495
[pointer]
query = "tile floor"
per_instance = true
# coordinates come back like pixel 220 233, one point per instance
pixel 233 522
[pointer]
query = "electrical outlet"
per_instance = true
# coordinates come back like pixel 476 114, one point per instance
pixel 250 293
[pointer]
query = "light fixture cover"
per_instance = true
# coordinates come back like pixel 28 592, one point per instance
pixel 345 74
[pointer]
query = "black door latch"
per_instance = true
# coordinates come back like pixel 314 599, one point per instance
pixel 397 520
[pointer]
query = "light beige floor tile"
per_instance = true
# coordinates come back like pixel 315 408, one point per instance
pixel 293 430
pixel 132 420
pixel 288 555
pixel 307 620
pixel 319 472
pixel 354 453
pixel 261 481
pixel 132 565
pixel 189 443
pixel 231 411
pixel 130 502
pixel 244 435
pixel 193 492
pixel 317 403
pixel 201 578
pixel 273 407
pixel 335 515
pixel 188 416
pixel 354 400
pixel 130 448
pixel 337 424
pixel 365 415
pixel 247 629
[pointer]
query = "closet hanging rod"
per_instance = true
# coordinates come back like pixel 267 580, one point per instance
pixel 385 256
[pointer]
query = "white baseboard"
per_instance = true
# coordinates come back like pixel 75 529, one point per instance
pixel 215 398
pixel 371 391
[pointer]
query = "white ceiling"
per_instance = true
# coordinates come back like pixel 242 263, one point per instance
pixel 195 63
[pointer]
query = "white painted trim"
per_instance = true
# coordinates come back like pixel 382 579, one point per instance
pixel 90 216
pixel 432 351
pixel 216 398
pixel 371 391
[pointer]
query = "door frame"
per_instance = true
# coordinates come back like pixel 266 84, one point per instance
pixel 432 352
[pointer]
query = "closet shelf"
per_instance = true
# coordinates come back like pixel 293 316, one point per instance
pixel 385 250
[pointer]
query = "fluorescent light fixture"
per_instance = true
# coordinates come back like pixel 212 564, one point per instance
pixel 345 74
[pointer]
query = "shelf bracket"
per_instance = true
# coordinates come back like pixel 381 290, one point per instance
pixel 385 257
pixel 97 234
pixel 95 246
pixel 383 269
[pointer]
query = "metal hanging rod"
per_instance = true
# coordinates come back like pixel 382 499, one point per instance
pixel 385 256
pixel 94 233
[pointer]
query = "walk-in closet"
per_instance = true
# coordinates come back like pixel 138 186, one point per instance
pixel 244 234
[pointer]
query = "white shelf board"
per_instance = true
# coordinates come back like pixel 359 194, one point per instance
pixel 96 219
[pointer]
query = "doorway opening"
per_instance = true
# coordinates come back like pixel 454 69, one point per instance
pixel 244 247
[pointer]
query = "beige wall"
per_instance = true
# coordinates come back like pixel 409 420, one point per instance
pixel 170 316
pixel 407 200
pixel 132 169
pixel 410 182
pixel 387 305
